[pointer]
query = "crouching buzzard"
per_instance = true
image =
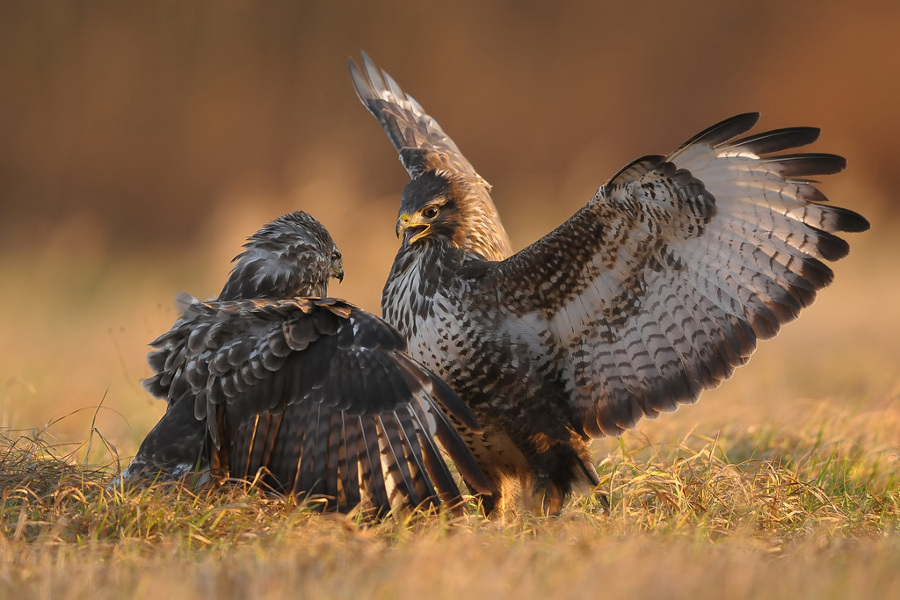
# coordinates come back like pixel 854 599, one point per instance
pixel 314 391
pixel 654 291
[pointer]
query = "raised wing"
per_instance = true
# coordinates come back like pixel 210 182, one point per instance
pixel 420 141
pixel 661 285
pixel 319 394
pixel 417 137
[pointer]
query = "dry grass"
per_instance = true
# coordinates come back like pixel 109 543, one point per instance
pixel 750 514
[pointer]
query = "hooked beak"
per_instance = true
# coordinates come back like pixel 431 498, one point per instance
pixel 412 228
pixel 338 273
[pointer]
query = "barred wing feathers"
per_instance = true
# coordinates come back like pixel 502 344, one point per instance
pixel 661 285
pixel 319 393
pixel 416 136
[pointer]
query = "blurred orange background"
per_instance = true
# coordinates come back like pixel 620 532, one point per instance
pixel 141 142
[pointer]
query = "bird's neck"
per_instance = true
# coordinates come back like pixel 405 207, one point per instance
pixel 418 272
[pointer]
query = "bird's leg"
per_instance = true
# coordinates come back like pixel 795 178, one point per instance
pixel 552 499
pixel 603 499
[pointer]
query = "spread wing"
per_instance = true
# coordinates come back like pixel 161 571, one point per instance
pixel 661 285
pixel 321 395
pixel 420 141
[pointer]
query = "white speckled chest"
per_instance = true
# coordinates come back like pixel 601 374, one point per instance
pixel 430 316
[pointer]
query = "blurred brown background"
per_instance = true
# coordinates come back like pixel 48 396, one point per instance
pixel 141 142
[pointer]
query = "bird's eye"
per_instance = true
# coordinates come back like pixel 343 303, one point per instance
pixel 430 212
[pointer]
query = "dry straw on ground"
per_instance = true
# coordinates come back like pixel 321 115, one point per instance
pixel 750 514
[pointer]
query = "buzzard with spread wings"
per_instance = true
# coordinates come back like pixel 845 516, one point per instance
pixel 313 393
pixel 658 288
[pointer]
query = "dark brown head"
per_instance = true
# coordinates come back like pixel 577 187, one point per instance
pixel 293 255
pixel 441 205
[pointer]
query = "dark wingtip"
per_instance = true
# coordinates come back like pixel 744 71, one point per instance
pixel 725 130
pixel 777 140
pixel 439 473
pixel 850 221
pixel 453 404
pixel 805 164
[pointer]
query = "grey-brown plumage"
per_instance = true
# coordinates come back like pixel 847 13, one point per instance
pixel 655 290
pixel 315 392
pixel 291 256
